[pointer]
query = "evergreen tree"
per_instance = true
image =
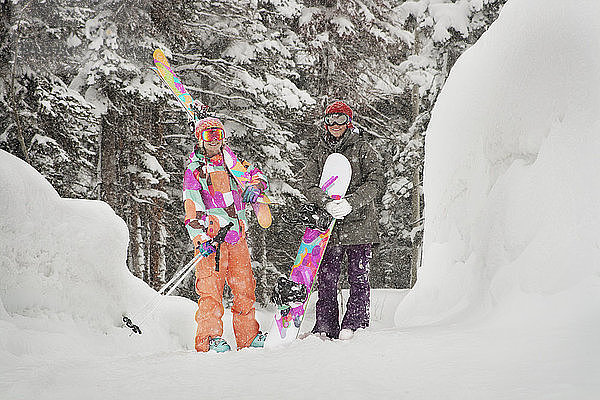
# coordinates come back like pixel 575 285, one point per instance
pixel 79 103
pixel 46 123
pixel 353 53
pixel 441 31
pixel 131 147
pixel 239 59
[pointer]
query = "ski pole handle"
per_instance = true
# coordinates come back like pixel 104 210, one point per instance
pixel 217 240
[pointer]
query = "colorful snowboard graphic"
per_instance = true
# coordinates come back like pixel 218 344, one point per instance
pixel 335 180
pixel 237 168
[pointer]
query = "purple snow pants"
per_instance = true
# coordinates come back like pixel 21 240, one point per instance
pixel 357 312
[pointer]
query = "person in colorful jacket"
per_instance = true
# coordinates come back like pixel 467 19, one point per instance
pixel 355 231
pixel 212 200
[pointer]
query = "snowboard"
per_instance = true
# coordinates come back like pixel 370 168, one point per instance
pixel 195 111
pixel 335 179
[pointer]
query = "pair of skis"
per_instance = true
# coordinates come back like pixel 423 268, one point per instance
pixel 195 111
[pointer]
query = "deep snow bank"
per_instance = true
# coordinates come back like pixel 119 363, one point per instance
pixel 511 175
pixel 63 277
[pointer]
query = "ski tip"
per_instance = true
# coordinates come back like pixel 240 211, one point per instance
pixel 263 214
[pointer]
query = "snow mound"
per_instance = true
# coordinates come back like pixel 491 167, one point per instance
pixel 512 220
pixel 64 277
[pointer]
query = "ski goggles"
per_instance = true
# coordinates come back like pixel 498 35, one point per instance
pixel 210 134
pixel 336 119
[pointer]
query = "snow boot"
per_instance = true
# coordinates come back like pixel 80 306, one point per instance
pixel 346 334
pixel 218 344
pixel 259 340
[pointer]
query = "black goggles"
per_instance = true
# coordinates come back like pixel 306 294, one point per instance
pixel 336 119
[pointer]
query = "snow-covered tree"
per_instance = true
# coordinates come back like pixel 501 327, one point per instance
pixel 43 120
pixel 441 31
pixel 79 101
pixel 239 58
pixel 354 52
pixel 131 147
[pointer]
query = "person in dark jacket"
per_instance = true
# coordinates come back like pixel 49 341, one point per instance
pixel 355 231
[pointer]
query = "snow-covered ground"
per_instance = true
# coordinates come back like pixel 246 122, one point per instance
pixel 507 305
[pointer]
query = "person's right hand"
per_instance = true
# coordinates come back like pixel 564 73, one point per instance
pixel 205 248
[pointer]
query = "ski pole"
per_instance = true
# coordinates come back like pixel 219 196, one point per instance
pixel 179 281
pixel 220 238
pixel 157 303
pixel 178 277
pixel 182 271
pixel 152 304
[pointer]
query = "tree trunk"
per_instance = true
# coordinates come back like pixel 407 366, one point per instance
pixel 415 258
pixel 156 248
pixel 415 201
pixel 134 241
pixel 141 248
pixel 13 91
pixel 154 130
pixel 109 165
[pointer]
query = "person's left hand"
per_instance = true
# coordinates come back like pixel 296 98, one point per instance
pixel 251 194
pixel 339 208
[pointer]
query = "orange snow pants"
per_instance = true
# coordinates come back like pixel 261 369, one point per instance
pixel 235 268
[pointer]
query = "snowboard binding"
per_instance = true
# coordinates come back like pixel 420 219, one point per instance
pixel 310 215
pixel 287 292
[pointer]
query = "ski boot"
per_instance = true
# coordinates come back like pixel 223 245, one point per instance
pixel 218 344
pixel 259 340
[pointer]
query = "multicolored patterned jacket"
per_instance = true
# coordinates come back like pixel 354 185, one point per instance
pixel 212 197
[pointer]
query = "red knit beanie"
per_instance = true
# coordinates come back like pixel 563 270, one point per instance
pixel 339 107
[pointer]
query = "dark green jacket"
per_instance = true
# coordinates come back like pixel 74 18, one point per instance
pixel 360 226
